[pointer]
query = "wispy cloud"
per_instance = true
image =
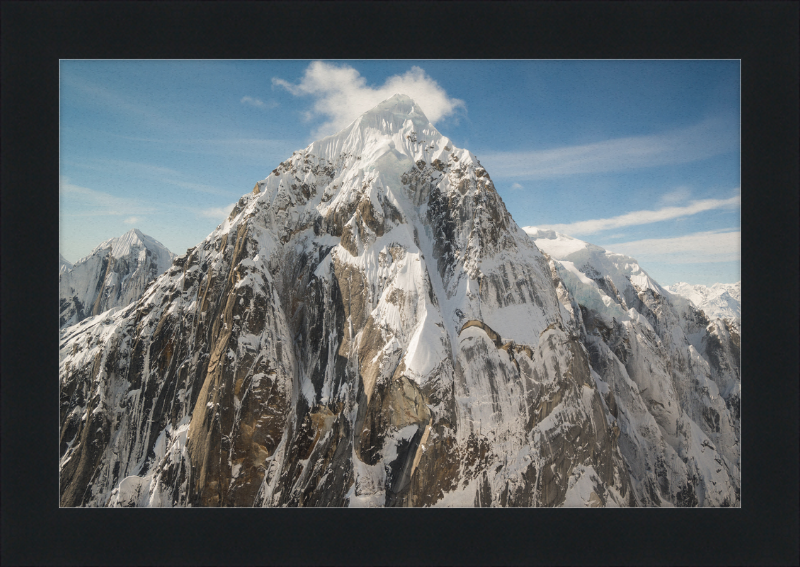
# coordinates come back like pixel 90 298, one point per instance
pixel 256 149
pixel 252 148
pixel 151 172
pixel 517 186
pixel 110 99
pixel 342 94
pixel 679 195
pixel 132 220
pixel 99 203
pixel 216 212
pixel 697 248
pixel 252 101
pixel 706 139
pixel 644 217
pixel 258 103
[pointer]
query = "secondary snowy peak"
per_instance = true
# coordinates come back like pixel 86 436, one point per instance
pixel 596 276
pixel 135 240
pixel 63 264
pixel 134 244
pixel 717 301
pixel 114 274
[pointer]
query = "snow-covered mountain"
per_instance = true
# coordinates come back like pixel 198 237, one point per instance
pixel 63 264
pixel 717 301
pixel 114 274
pixel 671 374
pixel 369 327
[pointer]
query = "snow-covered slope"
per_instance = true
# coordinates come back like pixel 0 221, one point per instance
pixel 369 327
pixel 114 274
pixel 718 301
pixel 671 375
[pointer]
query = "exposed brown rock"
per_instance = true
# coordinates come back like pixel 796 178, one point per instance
pixel 488 330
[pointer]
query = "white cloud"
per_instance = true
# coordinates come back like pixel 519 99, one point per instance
pixel 258 103
pixel 697 248
pixel 516 186
pixel 132 220
pixel 252 101
pixel 216 212
pixel 644 217
pixel 706 139
pixel 342 94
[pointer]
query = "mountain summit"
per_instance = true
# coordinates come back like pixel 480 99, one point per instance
pixel 369 327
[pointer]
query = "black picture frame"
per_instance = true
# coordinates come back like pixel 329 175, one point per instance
pixel 763 35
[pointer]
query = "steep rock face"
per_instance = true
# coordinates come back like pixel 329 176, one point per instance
pixel 369 327
pixel 670 377
pixel 113 275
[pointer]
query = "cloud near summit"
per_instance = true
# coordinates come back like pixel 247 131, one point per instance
pixel 342 94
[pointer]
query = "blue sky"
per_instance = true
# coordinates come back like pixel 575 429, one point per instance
pixel 640 157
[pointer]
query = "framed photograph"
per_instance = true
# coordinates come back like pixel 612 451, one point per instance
pixel 506 282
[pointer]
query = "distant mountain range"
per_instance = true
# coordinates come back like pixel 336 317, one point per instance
pixel 718 301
